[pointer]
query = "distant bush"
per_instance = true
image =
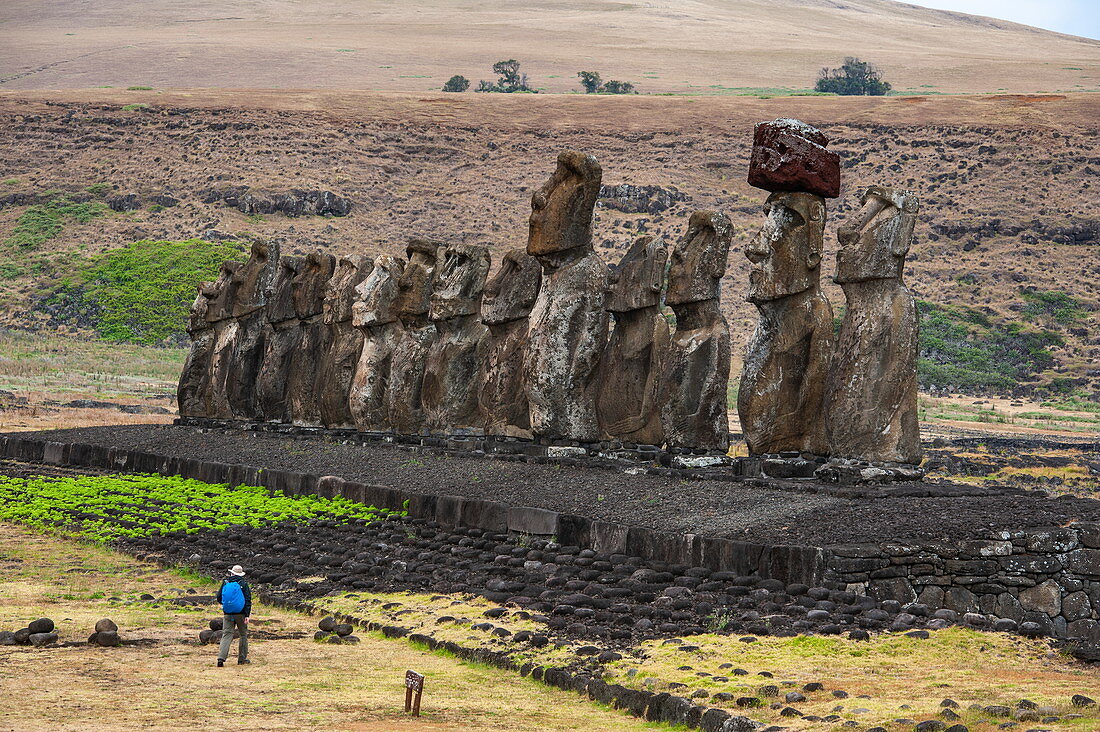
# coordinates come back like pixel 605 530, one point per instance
pixel 592 84
pixel 138 88
pixel 1058 306
pixel 143 290
pixel 509 80
pixel 456 83
pixel 853 78
pixel 44 221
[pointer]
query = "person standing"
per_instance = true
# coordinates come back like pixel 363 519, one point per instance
pixel 236 601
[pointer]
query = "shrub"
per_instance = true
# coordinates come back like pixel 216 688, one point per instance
pixel 509 79
pixel 617 87
pixel 594 85
pixel 590 80
pixel 1058 306
pixel 854 77
pixel 456 84
pixel 44 221
pixel 143 290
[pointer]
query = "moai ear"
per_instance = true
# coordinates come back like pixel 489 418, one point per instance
pixel 817 221
pixel 910 204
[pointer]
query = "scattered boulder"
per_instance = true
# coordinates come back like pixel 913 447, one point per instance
pixel 42 625
pixel 105 625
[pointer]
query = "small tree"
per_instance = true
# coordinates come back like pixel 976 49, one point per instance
pixel 617 87
pixel 457 84
pixel 511 80
pixel 854 77
pixel 590 80
pixel 486 86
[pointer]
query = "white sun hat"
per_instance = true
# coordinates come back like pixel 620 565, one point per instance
pixel 237 570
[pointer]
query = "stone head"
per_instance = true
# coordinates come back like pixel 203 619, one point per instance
pixel 197 316
pixel 340 291
pixel 561 211
pixel 415 296
pixel 221 297
pixel 511 292
pixel 874 242
pixel 376 296
pixel 459 278
pixel 639 278
pixel 786 252
pixel 698 261
pixel 253 279
pixel 280 300
pixel 308 287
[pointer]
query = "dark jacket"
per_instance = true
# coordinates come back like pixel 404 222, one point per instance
pixel 244 588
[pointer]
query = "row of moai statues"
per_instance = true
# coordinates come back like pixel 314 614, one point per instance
pixel 430 343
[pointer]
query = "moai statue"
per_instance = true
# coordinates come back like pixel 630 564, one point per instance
pixel 219 313
pixel 631 367
pixel 252 283
pixel 696 372
pixel 509 296
pixel 871 407
pixel 786 364
pixel 375 314
pixel 451 369
pixel 404 406
pixel 337 367
pixel 282 336
pixel 308 292
pixel 195 377
pixel 568 324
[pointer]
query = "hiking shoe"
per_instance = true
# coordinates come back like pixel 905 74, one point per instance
pixel 220 663
pixel 244 661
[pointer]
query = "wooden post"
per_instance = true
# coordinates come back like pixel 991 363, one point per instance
pixel 414 684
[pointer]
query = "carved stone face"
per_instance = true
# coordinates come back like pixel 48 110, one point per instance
pixel 511 293
pixel 308 287
pixel 415 296
pixel 459 279
pixel 786 252
pixel 280 300
pixel 561 211
pixel 376 296
pixel 340 291
pixel 698 261
pixel 874 242
pixel 638 280
pixel 197 317
pixel 253 279
pixel 221 297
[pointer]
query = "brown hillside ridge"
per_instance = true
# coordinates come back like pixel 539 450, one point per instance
pixel 680 46
pixel 1007 183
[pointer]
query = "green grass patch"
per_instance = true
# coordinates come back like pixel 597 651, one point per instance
pixel 105 508
pixel 135 107
pixel 41 222
pixel 99 189
pixel 142 291
pixel 1063 309
pixel 139 88
pixel 11 181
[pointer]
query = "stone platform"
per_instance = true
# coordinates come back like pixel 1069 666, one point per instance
pixel 998 553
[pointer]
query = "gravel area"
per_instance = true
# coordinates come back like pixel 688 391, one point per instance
pixel 729 509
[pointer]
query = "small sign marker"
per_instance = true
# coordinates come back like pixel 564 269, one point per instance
pixel 414 684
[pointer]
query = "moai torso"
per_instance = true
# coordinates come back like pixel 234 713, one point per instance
pixel 219 313
pixel 345 341
pixel 786 363
pixel 631 367
pixel 374 315
pixel 871 409
pixel 568 324
pixel 252 283
pixel 282 334
pixel 696 373
pixel 308 293
pixel 505 307
pixel 195 377
pixel 404 405
pixel 451 369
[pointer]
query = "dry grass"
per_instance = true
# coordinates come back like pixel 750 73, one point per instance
pixel 171 683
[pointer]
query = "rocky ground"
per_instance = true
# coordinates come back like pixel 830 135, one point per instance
pixel 773 513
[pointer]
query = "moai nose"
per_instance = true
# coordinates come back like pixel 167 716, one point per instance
pixel 757 251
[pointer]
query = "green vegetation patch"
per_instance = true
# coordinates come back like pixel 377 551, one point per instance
pixel 105 508
pixel 1058 306
pixel 44 221
pixel 965 349
pixel 142 291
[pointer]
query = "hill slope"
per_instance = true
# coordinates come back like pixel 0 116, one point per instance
pixel 683 46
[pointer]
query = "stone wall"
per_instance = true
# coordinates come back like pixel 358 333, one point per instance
pixel 1050 577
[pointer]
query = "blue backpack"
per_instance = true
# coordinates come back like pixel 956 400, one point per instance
pixel 232 598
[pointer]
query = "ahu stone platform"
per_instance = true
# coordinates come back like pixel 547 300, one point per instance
pixel 989 552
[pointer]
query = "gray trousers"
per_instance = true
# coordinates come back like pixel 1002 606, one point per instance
pixel 229 622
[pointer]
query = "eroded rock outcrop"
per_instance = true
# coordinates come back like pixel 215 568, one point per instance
pixel 375 314
pixel 506 304
pixel 632 364
pixel 404 405
pixel 871 410
pixel 568 324
pixel 696 373
pixel 337 367
pixel 786 363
